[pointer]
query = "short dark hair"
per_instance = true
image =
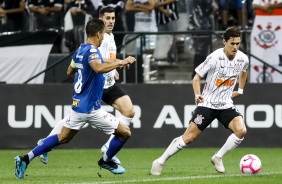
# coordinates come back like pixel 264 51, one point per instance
pixel 93 26
pixel 231 32
pixel 106 9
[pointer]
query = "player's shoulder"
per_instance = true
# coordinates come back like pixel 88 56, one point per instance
pixel 241 55
pixel 93 49
pixel 218 54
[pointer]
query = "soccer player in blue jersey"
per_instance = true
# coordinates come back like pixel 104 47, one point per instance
pixel 86 106
pixel 113 94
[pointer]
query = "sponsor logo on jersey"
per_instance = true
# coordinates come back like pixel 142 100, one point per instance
pixel 207 60
pixel 93 50
pixel 94 56
pixel 218 104
pixel 79 65
pixel 80 57
pixel 221 58
pixel 222 82
pixel 75 102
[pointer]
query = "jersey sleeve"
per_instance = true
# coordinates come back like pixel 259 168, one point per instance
pixel 246 62
pixel 204 67
pixel 94 55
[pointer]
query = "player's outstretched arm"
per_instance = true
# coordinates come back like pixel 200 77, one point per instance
pixel 100 67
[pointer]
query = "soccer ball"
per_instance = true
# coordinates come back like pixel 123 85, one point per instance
pixel 250 164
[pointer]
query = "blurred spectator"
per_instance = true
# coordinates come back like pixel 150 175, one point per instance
pixel 167 16
pixel 241 8
pixel 77 14
pixel 130 20
pixel 145 20
pixel 48 14
pixel 224 7
pixel 14 14
pixel 241 12
pixel 118 5
pixel 201 18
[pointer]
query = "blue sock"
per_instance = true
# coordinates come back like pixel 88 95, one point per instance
pixel 46 146
pixel 114 147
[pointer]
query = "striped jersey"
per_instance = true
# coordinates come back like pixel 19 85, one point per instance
pixel 108 50
pixel 222 75
pixel 145 22
pixel 88 85
pixel 161 18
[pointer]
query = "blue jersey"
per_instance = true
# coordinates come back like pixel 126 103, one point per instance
pixel 88 85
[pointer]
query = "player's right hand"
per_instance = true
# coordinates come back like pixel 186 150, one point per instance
pixel 198 99
pixel 130 60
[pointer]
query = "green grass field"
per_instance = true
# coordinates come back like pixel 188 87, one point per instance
pixel 190 165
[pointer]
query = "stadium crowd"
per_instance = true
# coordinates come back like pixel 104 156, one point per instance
pixel 68 17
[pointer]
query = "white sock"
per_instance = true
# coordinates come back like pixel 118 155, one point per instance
pixel 30 156
pixel 125 120
pixel 58 128
pixel 109 140
pixel 232 142
pixel 176 145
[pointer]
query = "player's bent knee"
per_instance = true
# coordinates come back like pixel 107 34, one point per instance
pixel 123 132
pixel 241 133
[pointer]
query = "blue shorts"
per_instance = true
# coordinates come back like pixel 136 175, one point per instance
pixel 230 4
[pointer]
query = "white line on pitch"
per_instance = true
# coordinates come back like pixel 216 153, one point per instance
pixel 175 178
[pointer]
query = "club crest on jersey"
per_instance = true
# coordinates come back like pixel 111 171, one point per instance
pixel 199 119
pixel 237 67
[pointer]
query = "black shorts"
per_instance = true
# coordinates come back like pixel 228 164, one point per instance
pixel 203 116
pixel 112 93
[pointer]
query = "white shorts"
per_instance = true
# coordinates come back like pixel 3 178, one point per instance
pixel 100 119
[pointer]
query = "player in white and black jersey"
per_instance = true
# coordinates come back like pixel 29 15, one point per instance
pixel 112 94
pixel 223 67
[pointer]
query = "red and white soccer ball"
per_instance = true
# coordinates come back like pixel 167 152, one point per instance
pixel 250 164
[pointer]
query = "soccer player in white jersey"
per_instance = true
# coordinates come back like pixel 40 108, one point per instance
pixel 223 67
pixel 113 94
pixel 86 107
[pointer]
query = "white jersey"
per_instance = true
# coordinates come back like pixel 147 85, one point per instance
pixel 222 75
pixel 262 3
pixel 145 22
pixel 108 50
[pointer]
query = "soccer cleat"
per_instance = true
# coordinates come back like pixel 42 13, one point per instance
pixel 111 166
pixel 156 168
pixel 20 167
pixel 115 158
pixel 217 162
pixel 44 157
